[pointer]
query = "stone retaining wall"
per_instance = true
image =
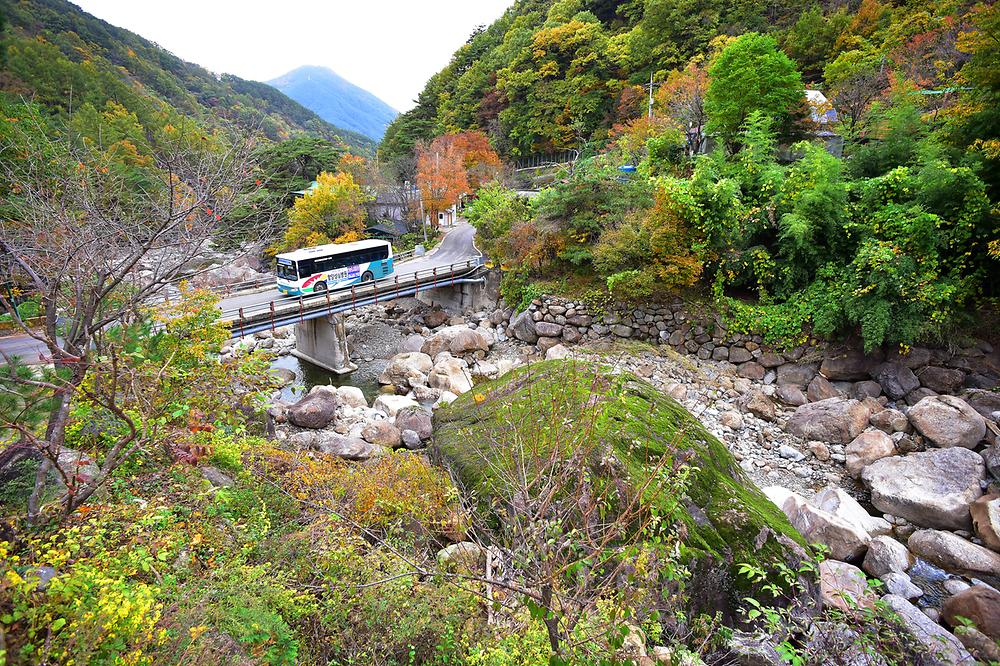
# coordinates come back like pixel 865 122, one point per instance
pixel 802 373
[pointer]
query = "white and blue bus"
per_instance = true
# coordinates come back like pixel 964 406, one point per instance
pixel 314 270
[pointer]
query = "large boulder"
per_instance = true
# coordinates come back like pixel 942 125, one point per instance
pixel 382 433
pixel 931 489
pixel 941 380
pixel 845 540
pixel 985 513
pixel 979 603
pixel 820 388
pixel 896 380
pixel 458 340
pixel 984 402
pixel 948 421
pixel 352 396
pixel 317 410
pixel 450 375
pixel 866 448
pixel 837 420
pixel 727 521
pixel 796 374
pixel 886 555
pixel 940 648
pixel 408 369
pixel 953 553
pixel 416 419
pixel 851 366
pixel 348 448
pixel 839 503
pixel 390 404
pixel 522 327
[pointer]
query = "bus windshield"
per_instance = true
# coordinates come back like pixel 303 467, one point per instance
pixel 286 269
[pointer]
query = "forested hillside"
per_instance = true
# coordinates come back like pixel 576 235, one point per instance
pixel 810 167
pixel 63 58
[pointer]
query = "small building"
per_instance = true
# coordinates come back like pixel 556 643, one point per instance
pixel 389 230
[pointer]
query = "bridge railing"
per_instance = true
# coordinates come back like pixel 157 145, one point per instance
pixel 286 311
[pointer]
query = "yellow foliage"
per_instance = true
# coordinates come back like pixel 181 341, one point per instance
pixel 333 209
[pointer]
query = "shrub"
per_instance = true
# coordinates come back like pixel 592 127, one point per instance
pixel 630 286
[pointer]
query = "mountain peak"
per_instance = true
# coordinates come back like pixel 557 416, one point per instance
pixel 331 96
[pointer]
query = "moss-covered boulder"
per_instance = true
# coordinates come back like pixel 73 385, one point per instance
pixel 722 519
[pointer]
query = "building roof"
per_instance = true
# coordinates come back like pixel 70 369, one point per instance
pixel 331 248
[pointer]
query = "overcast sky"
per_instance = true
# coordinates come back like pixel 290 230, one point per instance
pixel 389 47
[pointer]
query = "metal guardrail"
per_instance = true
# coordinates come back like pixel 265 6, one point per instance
pixel 271 280
pixel 286 311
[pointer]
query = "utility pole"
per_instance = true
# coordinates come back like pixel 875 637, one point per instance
pixel 651 95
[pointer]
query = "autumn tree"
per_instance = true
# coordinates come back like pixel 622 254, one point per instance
pixel 332 212
pixel 682 100
pixel 441 176
pixel 95 233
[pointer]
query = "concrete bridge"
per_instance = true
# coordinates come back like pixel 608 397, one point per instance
pixel 451 273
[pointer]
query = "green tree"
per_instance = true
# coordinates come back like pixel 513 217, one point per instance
pixel 751 75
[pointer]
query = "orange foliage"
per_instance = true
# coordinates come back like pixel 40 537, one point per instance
pixel 453 165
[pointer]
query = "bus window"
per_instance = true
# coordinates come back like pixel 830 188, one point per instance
pixel 286 270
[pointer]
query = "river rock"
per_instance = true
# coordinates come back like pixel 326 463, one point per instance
pixel 316 410
pixel 795 374
pixel 352 396
pixel 890 421
pixel 435 318
pixel 416 419
pixel 979 603
pixel 984 402
pixel 886 555
pixel 941 648
pixel 412 343
pixel 449 375
pixel 837 420
pixel 391 404
pixel 548 329
pixel 844 586
pixel 557 352
pixel 845 541
pixel 791 395
pixel 348 448
pixel 522 327
pixel 838 502
pixel 941 380
pixel 948 421
pixel 953 553
pixel 900 584
pixel 381 433
pixel 866 389
pixel 820 388
pixel 985 513
pixel 458 340
pixel 759 405
pixel 931 488
pixel 408 369
pixel 851 366
pixel 896 380
pixel 465 556
pixel 866 448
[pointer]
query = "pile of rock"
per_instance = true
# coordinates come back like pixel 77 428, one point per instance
pixel 338 421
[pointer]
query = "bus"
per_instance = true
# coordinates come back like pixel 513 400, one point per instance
pixel 314 270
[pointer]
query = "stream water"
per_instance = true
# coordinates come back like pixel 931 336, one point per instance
pixel 308 375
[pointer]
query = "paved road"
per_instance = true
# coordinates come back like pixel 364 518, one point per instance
pixel 456 247
pixel 24 347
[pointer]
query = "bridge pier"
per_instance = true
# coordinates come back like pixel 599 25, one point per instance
pixel 323 342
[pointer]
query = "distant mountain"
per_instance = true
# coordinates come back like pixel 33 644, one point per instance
pixel 61 57
pixel 336 100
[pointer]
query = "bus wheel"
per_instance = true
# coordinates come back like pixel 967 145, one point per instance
pixel 367 277
pixel 319 287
